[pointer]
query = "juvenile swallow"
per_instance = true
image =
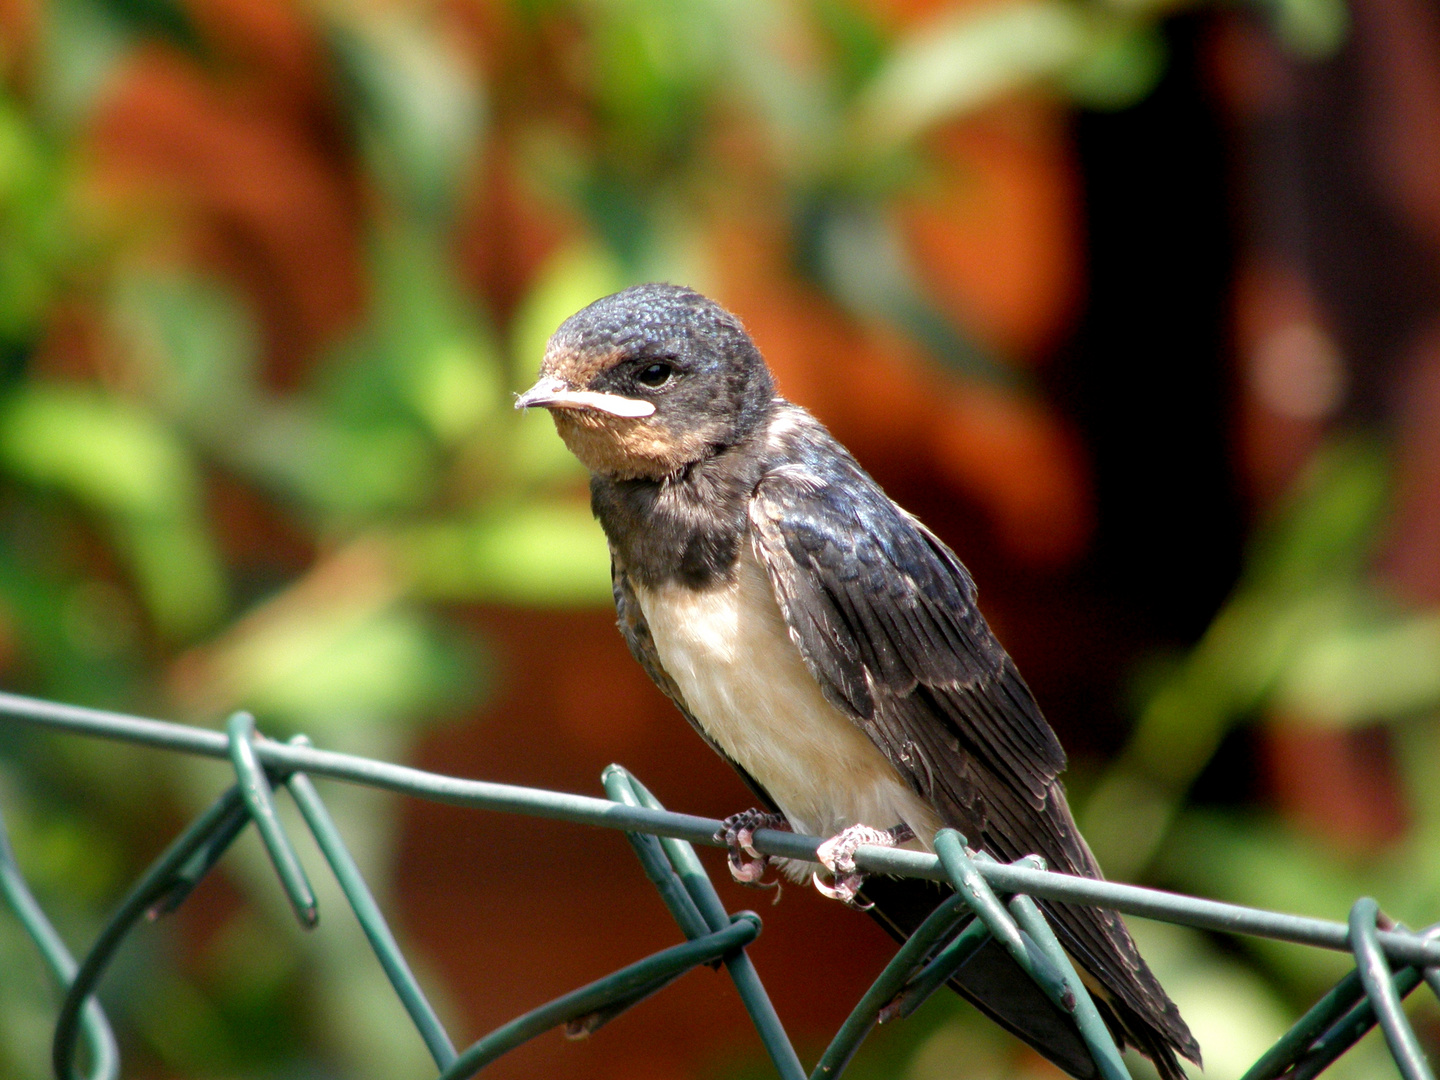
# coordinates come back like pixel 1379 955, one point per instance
pixel 826 644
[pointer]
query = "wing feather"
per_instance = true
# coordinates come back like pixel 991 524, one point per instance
pixel 886 619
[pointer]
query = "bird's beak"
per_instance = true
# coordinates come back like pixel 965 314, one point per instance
pixel 552 393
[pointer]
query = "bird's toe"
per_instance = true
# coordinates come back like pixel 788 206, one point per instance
pixel 747 866
pixel 746 871
pixel 838 853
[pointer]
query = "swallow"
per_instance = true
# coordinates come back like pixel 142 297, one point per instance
pixel 826 644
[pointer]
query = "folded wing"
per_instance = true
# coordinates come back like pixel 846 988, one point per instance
pixel 886 618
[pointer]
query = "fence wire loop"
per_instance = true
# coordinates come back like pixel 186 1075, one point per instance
pixel 260 801
pixel 937 972
pixel 1028 939
pixel 157 884
pixel 368 914
pixel 99 1039
pixel 1332 1026
pixel 662 841
pixel 695 884
pixel 1377 979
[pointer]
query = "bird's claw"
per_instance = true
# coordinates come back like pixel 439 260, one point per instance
pixel 747 871
pixel 838 856
pixel 747 866
pixel 844 889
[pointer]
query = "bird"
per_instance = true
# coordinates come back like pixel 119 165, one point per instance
pixel 827 645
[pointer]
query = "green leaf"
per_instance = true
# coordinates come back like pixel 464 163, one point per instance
pixel 653 61
pixel 106 453
pixel 966 59
pixel 338 660
pixel 1233 1013
pixel 343 473
pixel 123 463
pixel 1299 587
pixel 84 43
pixel 194 343
pixel 542 554
pixel 166 19
pixel 854 248
pixel 436 353
pixel 1119 69
pixel 21 156
pixel 392 665
pixel 37 234
pixel 419 109
pixel 1263 864
pixel 855 35
pixel 1311 29
pixel 1361 671
pixel 354 453
pixel 455 384
pixel 571 279
pixel 1326 524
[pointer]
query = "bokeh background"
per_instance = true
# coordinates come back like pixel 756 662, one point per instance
pixel 1135 302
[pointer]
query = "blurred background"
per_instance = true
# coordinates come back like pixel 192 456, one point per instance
pixel 1136 302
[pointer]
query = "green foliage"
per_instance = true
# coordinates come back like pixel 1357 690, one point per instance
pixel 397 458
pixel 1307 636
pixel 127 468
pixel 1314 29
pixel 394 465
pixel 417 107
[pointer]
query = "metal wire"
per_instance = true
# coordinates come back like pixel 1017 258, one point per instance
pixel 1375 976
pixel 104 1054
pixel 154 886
pixel 259 800
pixel 663 841
pixel 368 913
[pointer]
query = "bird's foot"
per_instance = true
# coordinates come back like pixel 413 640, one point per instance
pixel 747 866
pixel 838 855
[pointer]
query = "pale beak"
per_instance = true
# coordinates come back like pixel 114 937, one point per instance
pixel 552 393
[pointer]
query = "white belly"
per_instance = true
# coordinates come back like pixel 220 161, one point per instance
pixel 730 653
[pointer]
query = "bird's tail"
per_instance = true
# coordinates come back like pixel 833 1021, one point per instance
pixel 996 985
pixel 990 980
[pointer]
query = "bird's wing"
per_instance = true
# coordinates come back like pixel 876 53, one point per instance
pixel 886 618
pixel 636 632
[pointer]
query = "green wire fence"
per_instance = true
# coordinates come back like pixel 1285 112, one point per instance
pixel 991 899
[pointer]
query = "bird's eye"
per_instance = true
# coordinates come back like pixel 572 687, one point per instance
pixel 656 375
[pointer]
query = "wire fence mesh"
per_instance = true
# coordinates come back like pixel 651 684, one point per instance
pixel 991 900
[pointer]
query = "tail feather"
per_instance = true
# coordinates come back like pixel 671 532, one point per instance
pixel 997 986
pixel 990 980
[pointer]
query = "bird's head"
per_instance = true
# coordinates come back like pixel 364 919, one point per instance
pixel 650 380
